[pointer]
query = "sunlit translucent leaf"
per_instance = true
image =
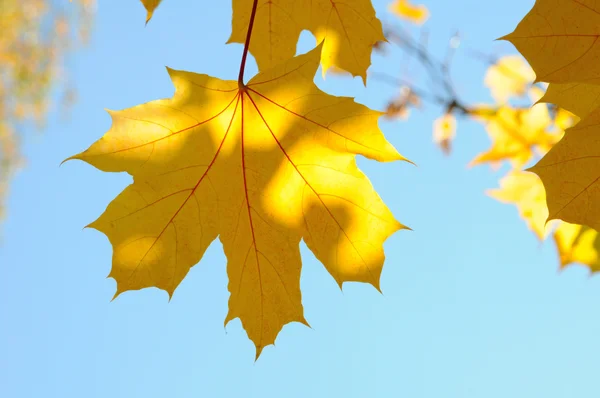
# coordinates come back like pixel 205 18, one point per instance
pixel 261 168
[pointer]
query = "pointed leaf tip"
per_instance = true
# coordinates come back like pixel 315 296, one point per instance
pixel 150 6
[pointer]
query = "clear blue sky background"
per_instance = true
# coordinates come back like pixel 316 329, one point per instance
pixel 473 304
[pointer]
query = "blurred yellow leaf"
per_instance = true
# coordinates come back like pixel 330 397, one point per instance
pixel 516 134
pixel 444 131
pixel 406 10
pixel 525 190
pixel 510 76
pixel 577 244
pixel 349 29
pixel 262 166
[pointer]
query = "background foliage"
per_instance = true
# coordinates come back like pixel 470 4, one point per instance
pixel 36 37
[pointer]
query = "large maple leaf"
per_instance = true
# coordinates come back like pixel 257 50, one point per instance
pixel 262 166
pixel 348 29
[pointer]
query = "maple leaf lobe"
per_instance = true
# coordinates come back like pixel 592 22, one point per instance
pixel 569 172
pixel 560 39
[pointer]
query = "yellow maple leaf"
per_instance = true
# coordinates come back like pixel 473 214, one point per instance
pixel 577 244
pixel 525 190
pixel 349 29
pixel 414 13
pixel 559 38
pixel 516 134
pixel 150 6
pixel 570 173
pixel 579 98
pixel 261 166
pixel 509 76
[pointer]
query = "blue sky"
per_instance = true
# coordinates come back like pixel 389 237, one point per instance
pixel 473 304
